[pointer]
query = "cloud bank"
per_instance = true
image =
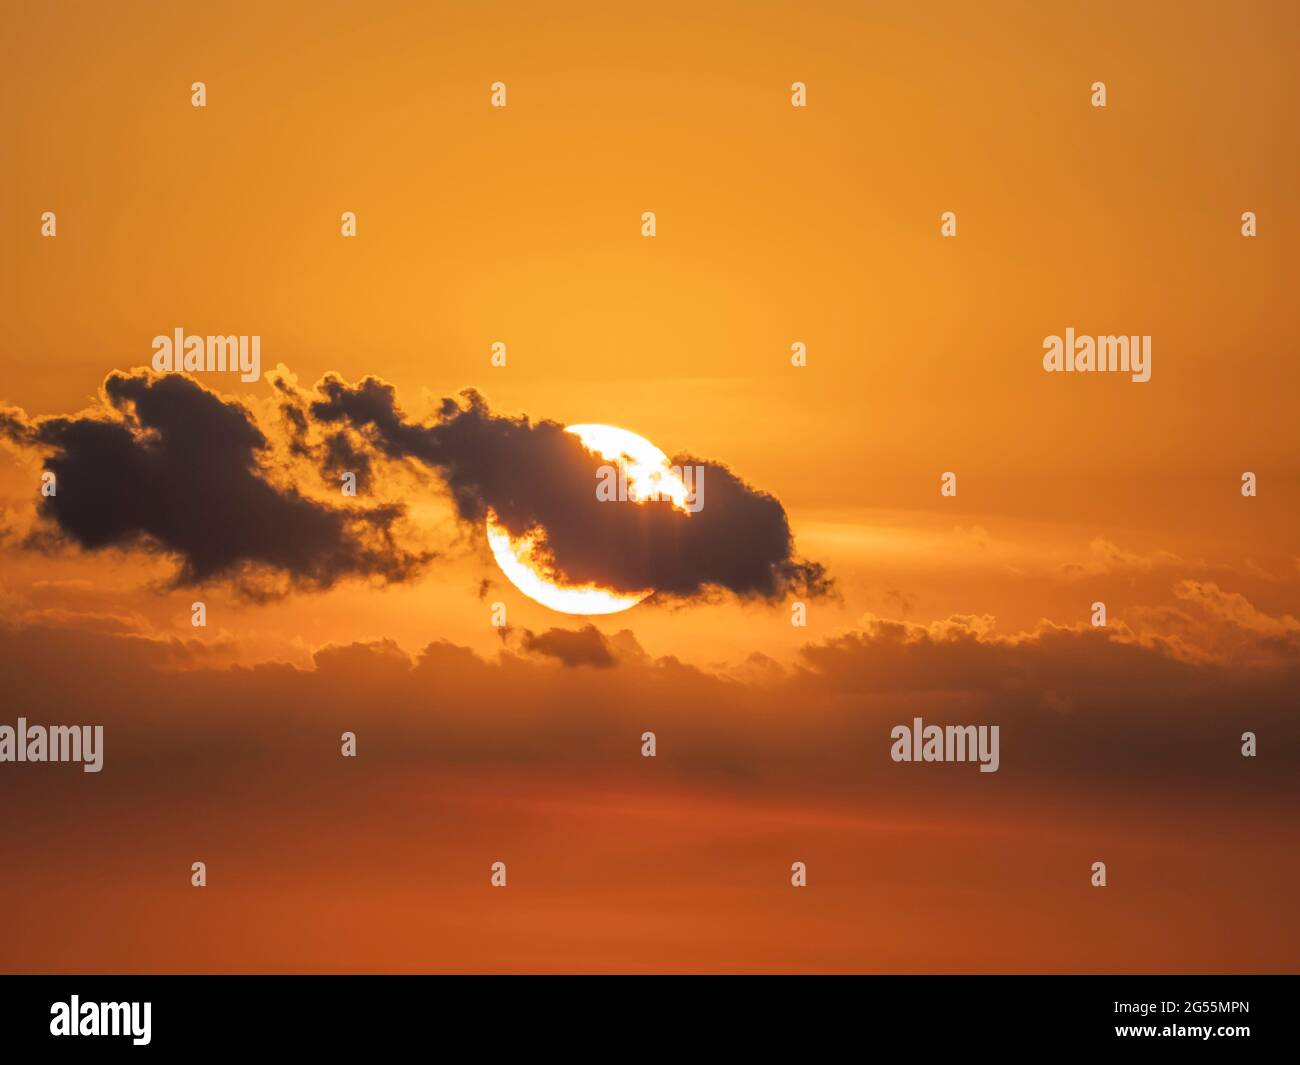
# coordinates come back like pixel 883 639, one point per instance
pixel 535 475
pixel 169 466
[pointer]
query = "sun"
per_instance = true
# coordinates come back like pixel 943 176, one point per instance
pixel 648 476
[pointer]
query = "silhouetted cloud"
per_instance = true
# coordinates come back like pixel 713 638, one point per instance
pixel 1112 748
pixel 534 474
pixel 586 646
pixel 171 467
pixel 1082 711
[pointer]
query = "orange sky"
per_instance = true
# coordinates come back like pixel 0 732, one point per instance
pixel 775 225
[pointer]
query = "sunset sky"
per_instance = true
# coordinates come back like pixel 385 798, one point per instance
pixel 775 225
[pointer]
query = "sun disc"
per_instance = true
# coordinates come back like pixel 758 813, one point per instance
pixel 648 477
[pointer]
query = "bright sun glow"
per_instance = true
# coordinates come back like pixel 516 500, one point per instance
pixel 648 472
pixel 648 475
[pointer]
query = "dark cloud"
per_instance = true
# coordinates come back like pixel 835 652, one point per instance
pixel 534 474
pixel 172 467
pixel 586 646
pixel 1112 748
pixel 334 452
pixel 341 456
pixel 1082 712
